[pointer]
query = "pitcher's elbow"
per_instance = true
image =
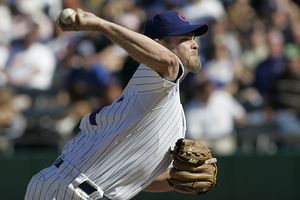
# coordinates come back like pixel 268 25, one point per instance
pixel 172 68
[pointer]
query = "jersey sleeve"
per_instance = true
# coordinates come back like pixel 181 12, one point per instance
pixel 153 90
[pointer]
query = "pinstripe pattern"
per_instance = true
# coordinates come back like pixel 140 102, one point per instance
pixel 122 147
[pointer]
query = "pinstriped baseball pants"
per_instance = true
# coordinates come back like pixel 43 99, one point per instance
pixel 61 183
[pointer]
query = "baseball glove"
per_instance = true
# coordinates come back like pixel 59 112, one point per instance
pixel 190 174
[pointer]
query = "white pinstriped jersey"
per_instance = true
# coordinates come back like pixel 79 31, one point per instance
pixel 123 147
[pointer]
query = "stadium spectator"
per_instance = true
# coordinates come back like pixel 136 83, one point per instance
pixel 212 115
pixel 269 68
pixel 221 69
pixel 257 50
pixel 198 9
pixel 33 66
pixel 12 122
pixel 241 17
pixel 284 96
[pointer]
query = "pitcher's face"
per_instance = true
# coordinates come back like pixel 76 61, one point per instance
pixel 186 49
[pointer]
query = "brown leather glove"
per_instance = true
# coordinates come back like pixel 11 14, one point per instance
pixel 190 174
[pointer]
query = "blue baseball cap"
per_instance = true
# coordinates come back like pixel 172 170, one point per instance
pixel 171 23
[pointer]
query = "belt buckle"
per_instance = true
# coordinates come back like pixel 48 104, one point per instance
pixel 87 187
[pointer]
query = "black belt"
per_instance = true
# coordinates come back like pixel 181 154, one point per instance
pixel 84 186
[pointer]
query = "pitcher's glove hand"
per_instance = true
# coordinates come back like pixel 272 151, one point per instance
pixel 190 173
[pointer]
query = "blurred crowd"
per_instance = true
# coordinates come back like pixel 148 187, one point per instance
pixel 246 98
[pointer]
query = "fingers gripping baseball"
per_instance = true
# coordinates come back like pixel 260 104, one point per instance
pixel 77 20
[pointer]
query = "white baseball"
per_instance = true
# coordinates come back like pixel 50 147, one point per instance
pixel 67 16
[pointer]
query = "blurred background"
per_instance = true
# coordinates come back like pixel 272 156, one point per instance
pixel 245 103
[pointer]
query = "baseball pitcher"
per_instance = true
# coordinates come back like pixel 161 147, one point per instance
pixel 127 147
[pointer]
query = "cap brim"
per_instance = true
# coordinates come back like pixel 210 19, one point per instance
pixel 196 29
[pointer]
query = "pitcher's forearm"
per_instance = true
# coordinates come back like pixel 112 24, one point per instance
pixel 160 184
pixel 142 48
